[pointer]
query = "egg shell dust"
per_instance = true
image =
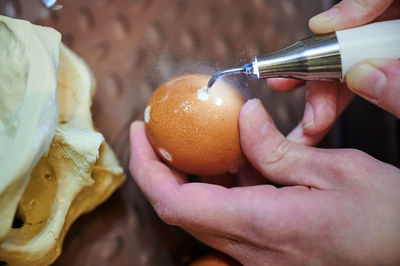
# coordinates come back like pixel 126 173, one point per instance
pixel 195 131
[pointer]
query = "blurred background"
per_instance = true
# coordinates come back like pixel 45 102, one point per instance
pixel 132 46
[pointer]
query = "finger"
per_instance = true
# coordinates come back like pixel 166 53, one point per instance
pixel 320 109
pixel 192 205
pixel 348 14
pixel 378 81
pixel 272 230
pixel 283 84
pixel 145 163
pixel 325 101
pixel 279 159
pixel 231 247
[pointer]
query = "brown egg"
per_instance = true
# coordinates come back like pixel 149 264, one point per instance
pixel 215 259
pixel 193 130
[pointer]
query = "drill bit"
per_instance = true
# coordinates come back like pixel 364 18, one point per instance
pixel 246 69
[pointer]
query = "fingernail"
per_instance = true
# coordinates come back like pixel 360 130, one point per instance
pixel 367 80
pixel 296 134
pixel 308 119
pixel 256 116
pixel 326 16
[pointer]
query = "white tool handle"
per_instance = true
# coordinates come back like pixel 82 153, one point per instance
pixel 376 40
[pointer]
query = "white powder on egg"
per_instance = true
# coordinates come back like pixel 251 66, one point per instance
pixel 164 98
pixel 165 154
pixel 202 94
pixel 147 114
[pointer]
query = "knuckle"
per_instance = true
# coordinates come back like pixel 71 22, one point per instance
pixel 362 3
pixel 165 213
pixel 352 155
pixel 348 160
pixel 277 153
pixel 366 9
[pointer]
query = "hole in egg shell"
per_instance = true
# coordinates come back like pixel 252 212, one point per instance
pixel 195 131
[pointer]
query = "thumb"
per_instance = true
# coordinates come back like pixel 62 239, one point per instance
pixel 279 159
pixel 378 81
pixel 348 14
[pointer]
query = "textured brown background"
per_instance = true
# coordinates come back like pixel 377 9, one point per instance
pixel 134 45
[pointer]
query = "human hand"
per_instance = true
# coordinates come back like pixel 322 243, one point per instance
pixel 375 80
pixel 338 207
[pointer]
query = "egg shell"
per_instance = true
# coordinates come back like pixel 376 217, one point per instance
pixel 195 131
pixel 215 259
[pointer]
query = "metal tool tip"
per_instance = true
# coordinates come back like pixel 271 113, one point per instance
pixel 212 80
pixel 243 69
